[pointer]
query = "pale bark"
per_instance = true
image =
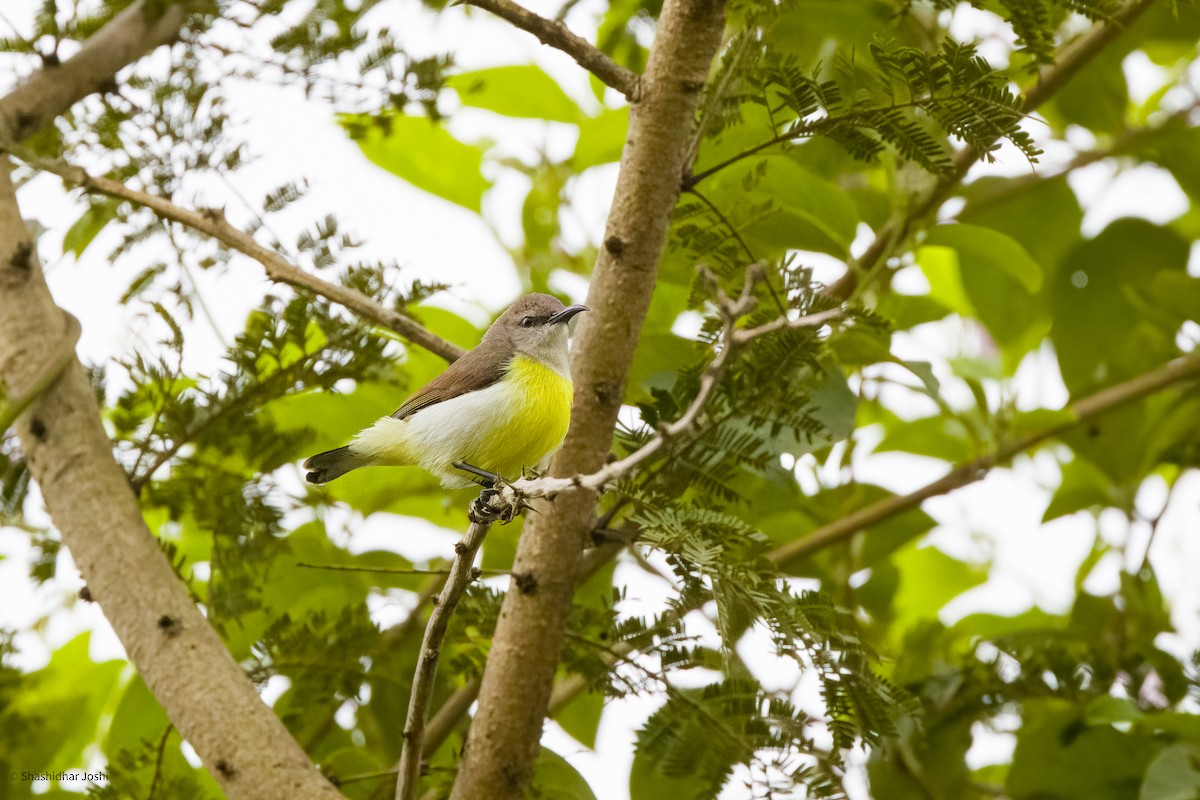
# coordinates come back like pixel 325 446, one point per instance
pixel 505 734
pixel 52 90
pixel 207 696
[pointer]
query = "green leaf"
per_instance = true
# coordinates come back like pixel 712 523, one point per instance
pixel 999 281
pixel 581 717
pixel 779 205
pixel 516 91
pixel 1095 98
pixel 985 249
pixel 937 437
pixel 1057 756
pixel 1043 216
pixel 601 138
pixel 423 153
pixel 1100 333
pixel 86 228
pixel 1173 775
pixel 1175 148
pixel 555 779
pixel 1084 486
pixel 929 579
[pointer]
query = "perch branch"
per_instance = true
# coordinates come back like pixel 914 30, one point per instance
pixel 733 338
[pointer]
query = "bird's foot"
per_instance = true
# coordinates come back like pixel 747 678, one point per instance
pixel 494 504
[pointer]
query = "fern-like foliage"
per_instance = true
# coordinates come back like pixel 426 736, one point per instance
pixel 909 100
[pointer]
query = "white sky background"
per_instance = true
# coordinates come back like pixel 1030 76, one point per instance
pixel 997 519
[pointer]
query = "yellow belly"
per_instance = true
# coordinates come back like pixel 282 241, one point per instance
pixel 532 425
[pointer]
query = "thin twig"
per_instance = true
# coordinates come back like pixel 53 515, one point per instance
pixel 212 223
pixel 398 571
pixel 1173 372
pixel 486 509
pixel 158 761
pixel 443 723
pixel 554 33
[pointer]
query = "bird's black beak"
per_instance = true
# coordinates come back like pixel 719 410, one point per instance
pixel 566 314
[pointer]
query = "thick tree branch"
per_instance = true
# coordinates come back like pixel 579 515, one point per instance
pixel 1050 81
pixel 187 667
pixel 505 734
pixel 1174 372
pixel 12 407
pixel 485 510
pixel 212 223
pixel 554 33
pixel 176 652
pixel 49 92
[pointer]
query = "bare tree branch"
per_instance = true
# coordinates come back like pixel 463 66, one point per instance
pixel 517 681
pixel 485 510
pixel 212 222
pixel 1173 372
pixel 49 92
pixel 554 33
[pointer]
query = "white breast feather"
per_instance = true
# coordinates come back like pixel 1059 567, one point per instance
pixel 433 437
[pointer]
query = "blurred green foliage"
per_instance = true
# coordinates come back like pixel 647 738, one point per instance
pixel 823 121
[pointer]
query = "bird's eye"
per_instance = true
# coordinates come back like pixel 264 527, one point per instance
pixel 526 322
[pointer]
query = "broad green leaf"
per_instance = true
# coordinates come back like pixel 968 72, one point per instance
pixel 808 30
pixel 805 514
pixel 423 153
pixel 1042 216
pixel 555 779
pixel 1173 775
pixel 515 91
pixel 929 579
pixel 1083 486
pixel 907 311
pixel 68 696
pixel 1096 97
pixel 999 280
pixel 1175 148
pixel 1099 332
pixel 581 717
pixel 985 249
pixel 601 138
pixel 138 727
pixel 86 228
pixel 1058 756
pixel 940 267
pixel 779 205
pixel 937 437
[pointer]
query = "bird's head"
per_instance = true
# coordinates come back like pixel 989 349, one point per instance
pixel 536 325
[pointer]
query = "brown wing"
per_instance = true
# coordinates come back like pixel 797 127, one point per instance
pixel 477 369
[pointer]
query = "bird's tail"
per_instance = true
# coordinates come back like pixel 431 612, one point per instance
pixel 324 467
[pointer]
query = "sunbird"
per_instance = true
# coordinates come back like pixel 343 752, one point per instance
pixel 498 409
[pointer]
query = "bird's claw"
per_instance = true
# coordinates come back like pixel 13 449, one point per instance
pixel 493 505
